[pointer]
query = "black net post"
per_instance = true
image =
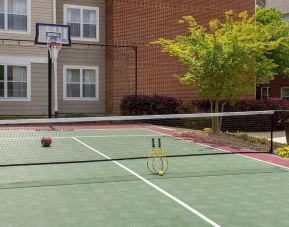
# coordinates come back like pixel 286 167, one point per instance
pixel 272 133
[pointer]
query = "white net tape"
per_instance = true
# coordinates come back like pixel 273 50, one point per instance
pixel 54 48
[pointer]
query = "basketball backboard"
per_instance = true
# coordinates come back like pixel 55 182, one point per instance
pixel 46 33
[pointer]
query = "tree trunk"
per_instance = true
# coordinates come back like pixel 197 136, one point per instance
pixel 216 121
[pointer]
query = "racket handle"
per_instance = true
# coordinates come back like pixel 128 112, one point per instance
pixel 160 144
pixel 153 143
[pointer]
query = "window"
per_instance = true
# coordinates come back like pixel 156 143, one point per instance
pixel 2 81
pixel 285 93
pixel 265 92
pixel 285 18
pixel 2 14
pixel 14 82
pixel 14 15
pixel 80 83
pixel 83 21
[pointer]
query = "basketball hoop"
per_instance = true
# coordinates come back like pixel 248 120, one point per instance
pixel 54 36
pixel 54 48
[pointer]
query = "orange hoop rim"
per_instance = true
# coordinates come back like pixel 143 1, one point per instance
pixel 54 43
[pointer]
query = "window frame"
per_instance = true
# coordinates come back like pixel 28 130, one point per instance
pixel 28 93
pixel 282 97
pixel 268 92
pixel 81 38
pixel 6 30
pixel 81 68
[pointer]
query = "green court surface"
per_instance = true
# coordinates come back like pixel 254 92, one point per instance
pixel 214 190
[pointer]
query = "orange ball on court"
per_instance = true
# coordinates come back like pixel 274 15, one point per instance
pixel 46 141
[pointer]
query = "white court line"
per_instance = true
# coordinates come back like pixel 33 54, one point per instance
pixel 206 219
pixel 69 137
pixel 204 145
pixel 68 130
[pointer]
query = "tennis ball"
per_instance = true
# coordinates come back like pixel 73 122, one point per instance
pixel 161 173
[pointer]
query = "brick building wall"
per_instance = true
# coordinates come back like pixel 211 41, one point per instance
pixel 138 22
pixel 278 83
pixel 276 86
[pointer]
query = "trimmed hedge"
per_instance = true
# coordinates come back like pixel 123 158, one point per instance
pixel 245 105
pixel 156 104
pixel 252 105
pixel 143 104
pixel 150 105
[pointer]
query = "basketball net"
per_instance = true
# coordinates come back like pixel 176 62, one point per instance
pixel 54 49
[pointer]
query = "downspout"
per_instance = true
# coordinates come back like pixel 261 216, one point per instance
pixel 54 12
pixel 55 67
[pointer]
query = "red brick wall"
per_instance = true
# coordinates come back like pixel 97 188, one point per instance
pixel 138 22
pixel 276 85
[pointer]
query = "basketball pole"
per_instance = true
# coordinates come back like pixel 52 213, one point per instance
pixel 55 88
pixel 49 86
pixel 54 48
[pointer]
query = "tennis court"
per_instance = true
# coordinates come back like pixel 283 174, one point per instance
pixel 65 185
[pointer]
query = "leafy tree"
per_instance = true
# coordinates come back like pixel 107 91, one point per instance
pixel 226 60
pixel 280 55
pixel 267 16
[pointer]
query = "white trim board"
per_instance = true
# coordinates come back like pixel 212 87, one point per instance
pixel 16 60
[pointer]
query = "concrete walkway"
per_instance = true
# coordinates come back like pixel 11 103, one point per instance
pixel 279 136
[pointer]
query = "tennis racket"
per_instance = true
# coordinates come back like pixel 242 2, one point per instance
pixel 157 160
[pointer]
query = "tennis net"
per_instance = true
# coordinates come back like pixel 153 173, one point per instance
pixel 133 137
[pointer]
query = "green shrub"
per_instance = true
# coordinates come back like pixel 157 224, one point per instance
pixel 263 140
pixel 208 130
pixel 251 139
pixel 243 135
pixel 283 151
